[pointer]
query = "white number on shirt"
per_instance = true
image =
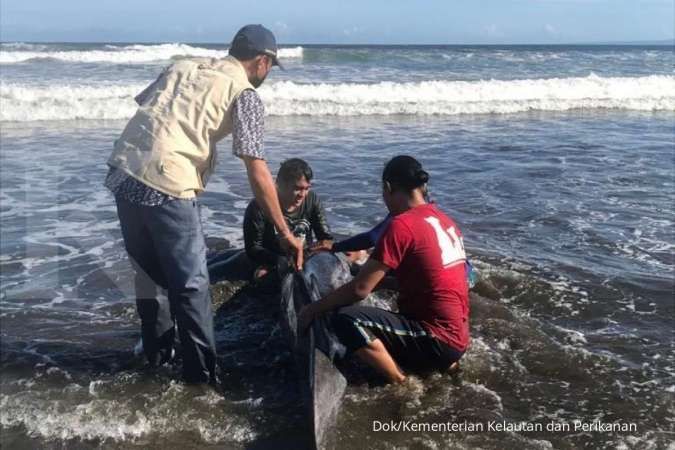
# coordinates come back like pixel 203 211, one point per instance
pixel 451 245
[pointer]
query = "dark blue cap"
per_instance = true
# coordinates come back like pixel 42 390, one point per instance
pixel 253 40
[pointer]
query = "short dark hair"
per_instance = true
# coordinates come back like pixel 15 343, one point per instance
pixel 405 173
pixel 294 169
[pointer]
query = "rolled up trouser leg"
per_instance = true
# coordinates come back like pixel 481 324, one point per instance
pixel 179 239
pixel 405 339
pixel 157 324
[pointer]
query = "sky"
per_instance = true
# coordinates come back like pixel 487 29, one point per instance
pixel 341 22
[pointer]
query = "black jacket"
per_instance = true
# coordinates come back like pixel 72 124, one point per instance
pixel 260 235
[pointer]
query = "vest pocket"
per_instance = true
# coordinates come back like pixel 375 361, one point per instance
pixel 178 173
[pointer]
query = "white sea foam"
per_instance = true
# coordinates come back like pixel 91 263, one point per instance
pixel 99 417
pixel 488 394
pixel 471 97
pixel 19 53
pixel 66 102
pixel 651 93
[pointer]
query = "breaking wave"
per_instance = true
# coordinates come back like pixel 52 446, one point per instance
pixel 116 54
pixel 286 98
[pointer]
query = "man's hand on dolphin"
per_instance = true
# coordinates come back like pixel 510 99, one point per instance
pixel 293 246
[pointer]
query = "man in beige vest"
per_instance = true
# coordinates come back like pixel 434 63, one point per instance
pixel 162 162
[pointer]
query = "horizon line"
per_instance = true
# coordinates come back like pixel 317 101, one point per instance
pixel 657 42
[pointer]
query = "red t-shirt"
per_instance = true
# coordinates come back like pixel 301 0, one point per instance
pixel 424 247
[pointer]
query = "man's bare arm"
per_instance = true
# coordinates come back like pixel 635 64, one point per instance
pixel 388 282
pixel 356 290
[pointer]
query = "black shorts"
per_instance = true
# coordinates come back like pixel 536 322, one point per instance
pixel 410 345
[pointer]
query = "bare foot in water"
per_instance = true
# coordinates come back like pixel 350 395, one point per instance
pixel 454 368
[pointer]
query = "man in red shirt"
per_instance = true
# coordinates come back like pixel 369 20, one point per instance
pixel 424 249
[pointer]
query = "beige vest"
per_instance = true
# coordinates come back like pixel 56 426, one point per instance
pixel 170 143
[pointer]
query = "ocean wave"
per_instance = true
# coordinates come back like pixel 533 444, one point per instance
pixel 15 46
pixel 26 104
pixel 286 98
pixel 649 93
pixel 19 52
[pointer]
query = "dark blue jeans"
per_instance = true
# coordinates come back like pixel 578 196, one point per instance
pixel 167 249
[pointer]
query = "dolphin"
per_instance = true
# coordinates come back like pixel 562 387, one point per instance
pixel 322 385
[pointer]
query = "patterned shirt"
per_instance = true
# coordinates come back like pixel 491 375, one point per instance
pixel 248 123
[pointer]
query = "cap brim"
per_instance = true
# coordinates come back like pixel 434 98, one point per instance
pixel 275 60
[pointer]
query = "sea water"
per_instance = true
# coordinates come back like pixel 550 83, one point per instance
pixel 557 162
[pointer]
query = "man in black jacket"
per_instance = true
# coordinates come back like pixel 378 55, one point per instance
pixel 302 210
